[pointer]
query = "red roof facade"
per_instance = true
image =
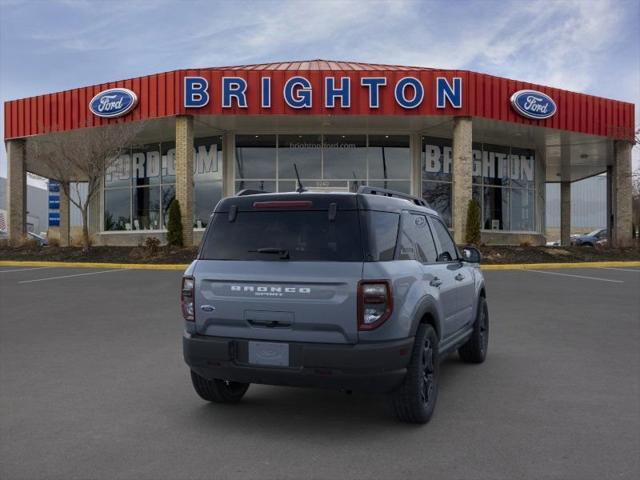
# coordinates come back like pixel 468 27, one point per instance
pixel 161 95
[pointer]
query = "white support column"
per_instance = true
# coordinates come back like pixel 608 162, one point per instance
pixel 184 174
pixel 565 213
pixel 462 175
pixel 16 191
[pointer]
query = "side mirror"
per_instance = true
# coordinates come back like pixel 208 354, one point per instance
pixel 471 255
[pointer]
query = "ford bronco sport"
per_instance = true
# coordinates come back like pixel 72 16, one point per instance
pixel 355 291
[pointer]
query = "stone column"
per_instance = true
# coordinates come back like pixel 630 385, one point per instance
pixel 565 213
pixel 462 175
pixel 621 184
pixel 65 218
pixel 184 174
pixel 228 164
pixel 16 191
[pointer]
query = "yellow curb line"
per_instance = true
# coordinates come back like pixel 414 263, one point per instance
pixel 130 266
pixel 166 266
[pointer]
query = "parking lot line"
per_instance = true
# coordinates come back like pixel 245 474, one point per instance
pixel 577 276
pixel 23 269
pixel 69 276
pixel 637 270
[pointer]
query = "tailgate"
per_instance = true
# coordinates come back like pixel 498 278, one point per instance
pixel 280 301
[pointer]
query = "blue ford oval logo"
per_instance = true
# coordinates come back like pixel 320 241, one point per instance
pixel 533 104
pixel 114 102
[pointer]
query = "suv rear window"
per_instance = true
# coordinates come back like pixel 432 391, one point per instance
pixel 301 235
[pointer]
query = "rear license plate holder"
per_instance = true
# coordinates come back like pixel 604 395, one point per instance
pixel 269 354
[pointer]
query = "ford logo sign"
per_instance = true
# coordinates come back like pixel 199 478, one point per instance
pixel 114 102
pixel 533 104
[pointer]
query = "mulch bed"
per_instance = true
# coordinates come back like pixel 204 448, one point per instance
pixel 490 254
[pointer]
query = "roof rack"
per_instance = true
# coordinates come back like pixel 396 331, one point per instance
pixel 248 191
pixel 392 193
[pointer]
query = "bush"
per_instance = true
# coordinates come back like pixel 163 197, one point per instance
pixel 174 226
pixel 152 246
pixel 472 235
pixel 54 242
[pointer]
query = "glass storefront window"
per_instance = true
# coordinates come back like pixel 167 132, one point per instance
pixel 168 162
pixel 207 195
pixel 207 178
pixel 117 215
pixel 522 209
pixel 496 208
pixel 264 185
pixel 168 194
pixel 146 208
pixel 344 156
pixel 436 159
pixel 145 165
pixel 256 157
pixel 438 197
pixel 303 150
pixel 118 174
pixel 522 162
pixel 389 157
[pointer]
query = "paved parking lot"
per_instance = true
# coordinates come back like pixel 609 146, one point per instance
pixel 92 385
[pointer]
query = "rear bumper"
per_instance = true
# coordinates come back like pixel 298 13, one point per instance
pixel 370 367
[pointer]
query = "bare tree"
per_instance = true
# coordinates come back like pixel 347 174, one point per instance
pixel 82 156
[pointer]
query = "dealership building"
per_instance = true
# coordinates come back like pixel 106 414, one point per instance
pixel 448 136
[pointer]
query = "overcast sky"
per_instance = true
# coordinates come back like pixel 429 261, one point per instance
pixel 581 45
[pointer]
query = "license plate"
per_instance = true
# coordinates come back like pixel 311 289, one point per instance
pixel 269 353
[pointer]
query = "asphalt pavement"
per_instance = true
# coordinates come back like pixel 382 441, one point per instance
pixel 93 385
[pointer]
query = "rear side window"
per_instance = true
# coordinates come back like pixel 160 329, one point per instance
pixel 299 235
pixel 416 242
pixel 381 233
pixel 447 251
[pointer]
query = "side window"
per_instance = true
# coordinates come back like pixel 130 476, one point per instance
pixel 447 251
pixel 416 241
pixel 382 234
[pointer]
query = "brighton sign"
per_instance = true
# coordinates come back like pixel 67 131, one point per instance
pixel 533 104
pixel 113 103
pixel 408 92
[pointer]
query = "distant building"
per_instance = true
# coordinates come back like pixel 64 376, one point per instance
pixel 588 204
pixel 37 206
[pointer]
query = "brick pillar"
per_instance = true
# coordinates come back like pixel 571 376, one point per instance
pixel 462 175
pixel 16 191
pixel 65 219
pixel 621 184
pixel 228 164
pixel 565 213
pixel 415 145
pixel 184 174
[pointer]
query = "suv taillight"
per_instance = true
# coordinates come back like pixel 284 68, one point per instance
pixel 186 298
pixel 375 303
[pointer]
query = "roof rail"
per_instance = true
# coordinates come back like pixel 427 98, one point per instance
pixel 248 191
pixel 392 193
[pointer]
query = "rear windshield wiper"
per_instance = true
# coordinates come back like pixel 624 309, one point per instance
pixel 284 253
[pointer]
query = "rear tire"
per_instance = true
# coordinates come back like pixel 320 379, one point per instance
pixel 415 400
pixel 475 349
pixel 218 391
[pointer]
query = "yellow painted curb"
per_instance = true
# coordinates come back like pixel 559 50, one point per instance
pixel 167 266
pixel 130 266
pixel 550 266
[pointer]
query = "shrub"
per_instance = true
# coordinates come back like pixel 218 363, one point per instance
pixel 152 246
pixel 174 226
pixel 472 235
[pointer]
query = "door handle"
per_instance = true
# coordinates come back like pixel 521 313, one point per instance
pixel 436 282
pixel 459 277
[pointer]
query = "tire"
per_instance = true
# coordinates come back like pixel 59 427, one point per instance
pixel 218 391
pixel 475 349
pixel 415 400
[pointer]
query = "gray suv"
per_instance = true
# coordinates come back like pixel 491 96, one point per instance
pixel 355 291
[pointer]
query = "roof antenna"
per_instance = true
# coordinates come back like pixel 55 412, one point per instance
pixel 300 188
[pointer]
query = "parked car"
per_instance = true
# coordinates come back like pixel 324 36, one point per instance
pixel 590 239
pixel 354 291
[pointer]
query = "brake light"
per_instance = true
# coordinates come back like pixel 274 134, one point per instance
pixel 375 303
pixel 186 298
pixel 284 204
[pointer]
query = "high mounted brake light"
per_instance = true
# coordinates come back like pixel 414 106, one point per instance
pixel 284 204
pixel 375 303
pixel 186 298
